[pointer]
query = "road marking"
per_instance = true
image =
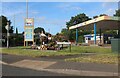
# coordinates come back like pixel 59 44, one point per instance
pixel 1 62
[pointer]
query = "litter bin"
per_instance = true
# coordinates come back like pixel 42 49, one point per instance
pixel 115 45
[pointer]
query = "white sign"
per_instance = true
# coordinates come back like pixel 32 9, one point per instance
pixel 29 22
pixel 7 27
pixel 64 43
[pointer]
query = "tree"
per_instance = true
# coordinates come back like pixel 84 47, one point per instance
pixel 3 22
pixel 100 15
pixel 77 19
pixel 37 37
pixel 39 30
pixel 16 31
pixel 95 16
pixel 117 13
pixel 103 15
pixel 73 21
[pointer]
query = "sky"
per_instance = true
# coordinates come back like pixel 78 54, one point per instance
pixel 52 16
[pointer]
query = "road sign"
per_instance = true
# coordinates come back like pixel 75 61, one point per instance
pixel 7 27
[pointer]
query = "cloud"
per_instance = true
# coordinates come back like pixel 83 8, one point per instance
pixel 108 4
pixel 68 6
pixel 110 11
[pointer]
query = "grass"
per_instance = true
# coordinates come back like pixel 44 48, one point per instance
pixel 103 55
pixel 109 58
pixel 91 49
pixel 35 53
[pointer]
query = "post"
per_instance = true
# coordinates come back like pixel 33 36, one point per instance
pixel 70 47
pixel 100 36
pixel 76 36
pixel 8 38
pixel 27 8
pixel 8 28
pixel 94 33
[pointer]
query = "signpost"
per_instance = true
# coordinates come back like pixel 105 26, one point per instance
pixel 29 30
pixel 8 34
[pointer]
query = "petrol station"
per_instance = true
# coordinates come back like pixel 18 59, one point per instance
pixel 98 24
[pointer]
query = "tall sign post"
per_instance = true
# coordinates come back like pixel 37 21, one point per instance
pixel 29 30
pixel 8 34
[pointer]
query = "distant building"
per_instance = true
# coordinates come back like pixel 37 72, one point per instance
pixel 89 39
pixel 105 38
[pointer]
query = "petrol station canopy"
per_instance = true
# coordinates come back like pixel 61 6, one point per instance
pixel 103 23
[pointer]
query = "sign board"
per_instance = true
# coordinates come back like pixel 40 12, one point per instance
pixel 29 29
pixel 29 22
pixel 29 34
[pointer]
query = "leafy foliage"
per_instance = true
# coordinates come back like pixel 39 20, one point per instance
pixel 117 13
pixel 77 19
pixel 39 30
pixel 3 22
pixel 70 34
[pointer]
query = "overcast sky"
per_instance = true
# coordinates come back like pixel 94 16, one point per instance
pixel 52 16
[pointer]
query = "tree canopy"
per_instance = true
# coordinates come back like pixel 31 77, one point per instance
pixel 77 19
pixel 70 34
pixel 117 13
pixel 100 15
pixel 3 22
pixel 39 30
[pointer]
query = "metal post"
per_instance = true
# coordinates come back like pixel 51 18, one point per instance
pixel 27 8
pixel 8 27
pixel 100 36
pixel 94 33
pixel 7 38
pixel 76 36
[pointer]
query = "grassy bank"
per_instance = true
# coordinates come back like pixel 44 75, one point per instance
pixel 109 58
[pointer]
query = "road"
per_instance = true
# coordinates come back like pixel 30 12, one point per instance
pixel 16 71
pixel 30 67
pixel 8 70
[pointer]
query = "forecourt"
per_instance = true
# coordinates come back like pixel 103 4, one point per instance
pixel 98 24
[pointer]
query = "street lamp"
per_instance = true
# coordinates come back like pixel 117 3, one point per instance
pixel 8 34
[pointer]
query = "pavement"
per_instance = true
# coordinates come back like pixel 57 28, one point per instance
pixel 59 66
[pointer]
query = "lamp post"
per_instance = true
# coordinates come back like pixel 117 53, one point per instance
pixel 8 34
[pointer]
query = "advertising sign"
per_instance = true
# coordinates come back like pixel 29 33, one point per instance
pixel 28 34
pixel 29 22
pixel 29 30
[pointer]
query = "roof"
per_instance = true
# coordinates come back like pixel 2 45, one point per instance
pixel 103 22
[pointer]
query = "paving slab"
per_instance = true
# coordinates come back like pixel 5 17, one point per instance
pixel 33 64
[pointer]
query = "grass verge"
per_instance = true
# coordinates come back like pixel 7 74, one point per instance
pixel 25 51
pixel 109 58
